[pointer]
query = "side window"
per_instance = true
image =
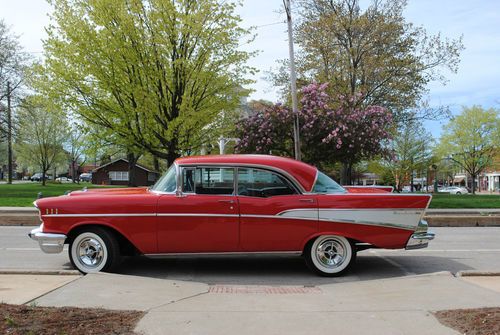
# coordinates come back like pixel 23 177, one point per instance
pixel 188 175
pixel 262 183
pixel 208 180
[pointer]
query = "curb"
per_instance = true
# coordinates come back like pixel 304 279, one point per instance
pixel 477 273
pixel 41 272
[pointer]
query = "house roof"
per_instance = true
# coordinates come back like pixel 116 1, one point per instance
pixel 125 160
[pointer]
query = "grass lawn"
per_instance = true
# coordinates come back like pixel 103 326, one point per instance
pixel 23 195
pixel 465 201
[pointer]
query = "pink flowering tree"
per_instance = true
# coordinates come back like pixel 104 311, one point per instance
pixel 331 130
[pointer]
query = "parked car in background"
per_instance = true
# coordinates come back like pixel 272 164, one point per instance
pixel 38 177
pixel 453 190
pixel 64 180
pixel 232 204
pixel 87 177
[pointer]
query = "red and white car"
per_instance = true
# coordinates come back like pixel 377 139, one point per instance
pixel 232 204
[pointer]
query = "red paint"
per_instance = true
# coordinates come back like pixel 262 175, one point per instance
pixel 228 227
pixel 275 234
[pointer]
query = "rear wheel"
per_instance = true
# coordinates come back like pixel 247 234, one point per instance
pixel 94 249
pixel 330 255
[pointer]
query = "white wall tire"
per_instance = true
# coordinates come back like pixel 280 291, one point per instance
pixel 330 255
pixel 94 250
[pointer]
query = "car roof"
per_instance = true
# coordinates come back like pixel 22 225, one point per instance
pixel 303 173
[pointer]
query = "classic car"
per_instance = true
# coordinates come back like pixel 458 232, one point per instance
pixel 232 204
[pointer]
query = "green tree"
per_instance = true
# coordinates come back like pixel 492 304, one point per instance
pixel 372 52
pixel 42 132
pixel 13 61
pixel 153 72
pixel 410 151
pixel 471 139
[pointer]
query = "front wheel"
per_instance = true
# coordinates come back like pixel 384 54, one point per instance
pixel 330 255
pixel 93 250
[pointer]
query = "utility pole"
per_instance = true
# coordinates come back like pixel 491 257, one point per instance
pixel 9 136
pixel 293 80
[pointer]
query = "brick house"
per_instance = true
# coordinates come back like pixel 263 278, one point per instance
pixel 116 173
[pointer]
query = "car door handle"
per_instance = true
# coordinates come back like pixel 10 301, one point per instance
pixel 227 201
pixel 306 200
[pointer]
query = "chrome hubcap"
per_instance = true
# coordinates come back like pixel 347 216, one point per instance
pixel 331 253
pixel 90 252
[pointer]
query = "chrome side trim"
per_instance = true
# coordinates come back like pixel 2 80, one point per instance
pixel 355 209
pixel 257 216
pixel 99 215
pixel 260 216
pixel 49 243
pixel 223 253
pixel 199 215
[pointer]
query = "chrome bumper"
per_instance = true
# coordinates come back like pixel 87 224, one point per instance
pixel 49 243
pixel 420 239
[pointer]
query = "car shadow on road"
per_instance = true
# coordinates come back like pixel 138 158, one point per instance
pixel 281 270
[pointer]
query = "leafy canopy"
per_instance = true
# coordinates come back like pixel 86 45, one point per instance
pixel 152 72
pixel 471 139
pixel 373 51
pixel 328 133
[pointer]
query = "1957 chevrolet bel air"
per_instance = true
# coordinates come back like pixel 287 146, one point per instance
pixel 232 204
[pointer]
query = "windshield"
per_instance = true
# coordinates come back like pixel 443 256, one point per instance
pixel 325 184
pixel 167 182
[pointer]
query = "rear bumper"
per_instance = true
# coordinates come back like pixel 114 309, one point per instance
pixel 49 243
pixel 420 239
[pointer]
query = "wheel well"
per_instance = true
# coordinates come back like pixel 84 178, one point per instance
pixel 126 247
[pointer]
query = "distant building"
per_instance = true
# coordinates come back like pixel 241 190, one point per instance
pixel 116 173
pixel 490 179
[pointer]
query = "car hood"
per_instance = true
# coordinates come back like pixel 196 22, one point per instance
pixel 96 201
pixel 110 191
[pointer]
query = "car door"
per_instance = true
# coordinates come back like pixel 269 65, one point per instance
pixel 274 216
pixel 204 217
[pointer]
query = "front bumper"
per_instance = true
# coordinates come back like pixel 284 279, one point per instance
pixel 49 243
pixel 420 239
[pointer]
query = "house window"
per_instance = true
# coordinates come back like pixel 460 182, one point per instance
pixel 118 175
pixel 151 176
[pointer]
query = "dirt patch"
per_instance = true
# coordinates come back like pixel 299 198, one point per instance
pixel 477 321
pixel 33 320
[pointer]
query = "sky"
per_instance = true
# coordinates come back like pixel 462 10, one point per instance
pixel 477 81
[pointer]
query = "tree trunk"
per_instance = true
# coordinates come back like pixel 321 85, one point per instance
pixel 346 178
pixel 43 176
pixel 156 164
pixel 171 157
pixel 473 183
pixel 132 160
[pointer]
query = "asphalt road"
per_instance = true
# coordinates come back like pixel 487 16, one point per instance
pixel 455 249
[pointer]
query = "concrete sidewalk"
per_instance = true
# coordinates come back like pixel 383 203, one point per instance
pixel 387 306
pixel 23 288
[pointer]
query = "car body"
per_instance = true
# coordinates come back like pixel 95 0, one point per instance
pixel 38 177
pixel 86 177
pixel 232 204
pixel 453 190
pixel 64 180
